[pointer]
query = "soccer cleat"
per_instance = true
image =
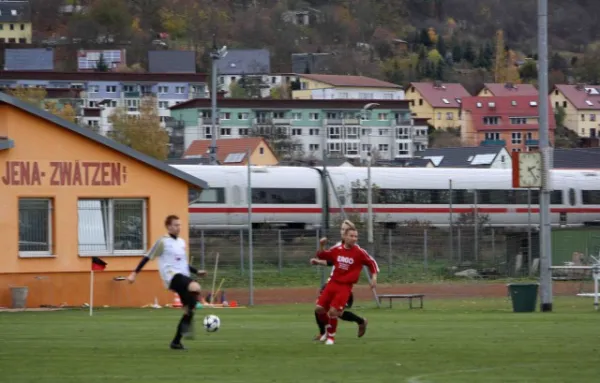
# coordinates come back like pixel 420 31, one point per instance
pixel 362 328
pixel 177 346
pixel 319 337
pixel 330 341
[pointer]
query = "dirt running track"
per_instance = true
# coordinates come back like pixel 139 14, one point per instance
pixel 283 295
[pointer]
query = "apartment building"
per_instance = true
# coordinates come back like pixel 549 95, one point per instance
pixel 335 126
pixel 509 121
pixel 327 86
pixel 102 92
pixel 439 103
pixel 581 104
pixel 15 22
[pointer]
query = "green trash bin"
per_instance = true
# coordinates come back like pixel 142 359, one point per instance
pixel 523 296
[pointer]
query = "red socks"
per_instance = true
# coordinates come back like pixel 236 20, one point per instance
pixel 333 321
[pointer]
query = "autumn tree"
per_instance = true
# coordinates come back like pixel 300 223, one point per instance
pixel 500 58
pixel 284 146
pixel 141 132
pixel 37 98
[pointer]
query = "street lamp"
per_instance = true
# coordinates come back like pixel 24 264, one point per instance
pixel 215 55
pixel 363 113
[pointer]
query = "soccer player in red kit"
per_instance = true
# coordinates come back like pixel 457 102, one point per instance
pixel 348 259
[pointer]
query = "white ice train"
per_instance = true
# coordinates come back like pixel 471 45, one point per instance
pixel 293 197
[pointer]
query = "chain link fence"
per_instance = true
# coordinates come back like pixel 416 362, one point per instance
pixel 404 254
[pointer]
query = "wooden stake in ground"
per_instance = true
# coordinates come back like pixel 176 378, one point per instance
pixel 212 295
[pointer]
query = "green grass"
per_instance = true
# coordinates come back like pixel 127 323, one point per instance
pixel 471 340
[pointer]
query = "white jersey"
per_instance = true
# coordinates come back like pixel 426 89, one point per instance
pixel 171 256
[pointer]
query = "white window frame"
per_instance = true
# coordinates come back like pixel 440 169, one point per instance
pixel 46 253
pixel 110 251
pixel 516 138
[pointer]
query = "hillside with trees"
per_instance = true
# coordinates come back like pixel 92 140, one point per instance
pixel 395 40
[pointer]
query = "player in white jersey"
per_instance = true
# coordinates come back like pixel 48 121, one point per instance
pixel 175 271
pixel 348 316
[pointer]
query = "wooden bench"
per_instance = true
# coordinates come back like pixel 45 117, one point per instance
pixel 410 297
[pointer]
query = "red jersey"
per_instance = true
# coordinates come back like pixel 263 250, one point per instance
pixel 348 263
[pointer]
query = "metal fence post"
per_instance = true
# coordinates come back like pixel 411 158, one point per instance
pixel 242 251
pixel 390 252
pixel 202 250
pixel 320 269
pixel 279 251
pixel 459 246
pixel 425 249
pixel 494 247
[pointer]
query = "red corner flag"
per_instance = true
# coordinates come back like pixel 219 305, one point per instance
pixel 98 264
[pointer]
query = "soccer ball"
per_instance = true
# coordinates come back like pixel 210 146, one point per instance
pixel 212 323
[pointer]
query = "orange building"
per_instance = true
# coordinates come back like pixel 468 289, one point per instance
pixel 68 194
pixel 509 121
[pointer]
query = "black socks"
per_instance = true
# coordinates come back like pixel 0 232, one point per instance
pixel 349 316
pixel 321 325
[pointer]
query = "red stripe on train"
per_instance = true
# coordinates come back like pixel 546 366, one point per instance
pixel 431 210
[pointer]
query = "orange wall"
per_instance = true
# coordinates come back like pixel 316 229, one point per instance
pixel 41 141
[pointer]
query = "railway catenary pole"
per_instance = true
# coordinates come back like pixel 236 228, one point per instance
pixel 216 55
pixel 250 234
pixel 363 113
pixel 546 151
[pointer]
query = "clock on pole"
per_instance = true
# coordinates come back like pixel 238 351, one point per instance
pixel 527 169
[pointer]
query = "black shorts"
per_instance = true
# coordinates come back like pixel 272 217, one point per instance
pixel 180 284
pixel 350 299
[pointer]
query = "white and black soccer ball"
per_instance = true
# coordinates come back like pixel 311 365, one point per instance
pixel 212 323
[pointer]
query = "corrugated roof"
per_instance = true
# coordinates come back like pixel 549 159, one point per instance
pixel 225 147
pixel 443 95
pixel 267 104
pixel 171 62
pixel 245 61
pixel 585 97
pixel 349 81
pixel 505 108
pixel 29 59
pixel 576 158
pixel 102 140
pixel 103 76
pixel 509 89
pixel 460 157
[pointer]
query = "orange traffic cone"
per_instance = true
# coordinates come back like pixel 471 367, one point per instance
pixel 177 301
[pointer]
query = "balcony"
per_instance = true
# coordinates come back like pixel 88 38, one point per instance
pixel 207 120
pixel 403 121
pixel 532 142
pixel 281 121
pixel 493 143
pixel 131 94
pixel 342 121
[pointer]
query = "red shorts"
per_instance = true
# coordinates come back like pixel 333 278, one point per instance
pixel 335 295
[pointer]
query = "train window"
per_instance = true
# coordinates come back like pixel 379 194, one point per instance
pixel 590 197
pixel 411 196
pixel 556 197
pixel 284 196
pixel 214 195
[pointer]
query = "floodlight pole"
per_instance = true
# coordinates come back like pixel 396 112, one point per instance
pixel 363 114
pixel 216 54
pixel 546 152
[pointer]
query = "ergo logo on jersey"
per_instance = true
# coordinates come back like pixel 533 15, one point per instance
pixel 346 260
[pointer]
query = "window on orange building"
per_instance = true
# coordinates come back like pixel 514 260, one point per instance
pixel 35 227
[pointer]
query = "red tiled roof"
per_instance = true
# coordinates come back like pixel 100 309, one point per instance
pixel 587 97
pixel 505 108
pixel 500 90
pixel 225 147
pixel 350 81
pixel 437 96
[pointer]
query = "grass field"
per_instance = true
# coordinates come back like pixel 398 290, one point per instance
pixel 472 340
